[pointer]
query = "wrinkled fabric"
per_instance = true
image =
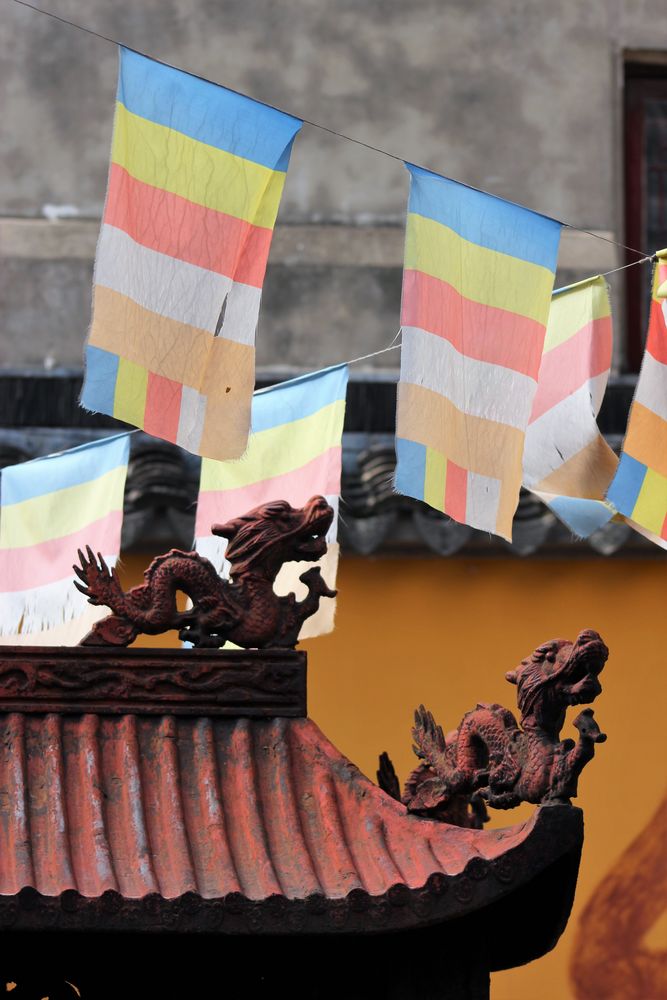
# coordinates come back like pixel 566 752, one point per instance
pixel 195 182
pixel 639 488
pixel 50 508
pixel 477 281
pixel 566 461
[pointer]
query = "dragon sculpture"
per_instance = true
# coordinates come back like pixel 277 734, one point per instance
pixel 491 759
pixel 244 609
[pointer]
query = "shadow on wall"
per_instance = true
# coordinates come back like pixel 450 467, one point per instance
pixel 611 960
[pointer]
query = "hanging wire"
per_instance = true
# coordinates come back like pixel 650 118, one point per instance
pixel 624 267
pixel 313 124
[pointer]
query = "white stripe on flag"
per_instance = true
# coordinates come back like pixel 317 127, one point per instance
pixel 652 386
pixel 560 433
pixel 176 289
pixel 477 388
pixel 288 582
pixel 29 612
pixel 169 287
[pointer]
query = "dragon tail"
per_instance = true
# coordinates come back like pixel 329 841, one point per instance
pixel 99 584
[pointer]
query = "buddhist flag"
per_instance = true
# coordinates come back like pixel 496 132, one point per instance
pixel 639 488
pixel 566 461
pixel 195 181
pixel 294 453
pixel 50 508
pixel 477 284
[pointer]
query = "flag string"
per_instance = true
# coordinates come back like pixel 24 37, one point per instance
pixel 643 260
pixel 324 128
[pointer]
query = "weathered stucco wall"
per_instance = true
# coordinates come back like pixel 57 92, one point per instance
pixel 518 97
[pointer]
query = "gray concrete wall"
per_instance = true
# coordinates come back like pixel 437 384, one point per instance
pixel 520 98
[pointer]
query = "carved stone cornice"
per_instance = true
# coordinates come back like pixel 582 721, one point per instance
pixel 140 681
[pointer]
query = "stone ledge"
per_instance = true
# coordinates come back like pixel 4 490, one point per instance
pixel 293 245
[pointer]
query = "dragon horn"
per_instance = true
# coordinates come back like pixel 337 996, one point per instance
pixel 81 573
pixel 80 587
pixel 91 555
pixel 82 558
pixel 103 565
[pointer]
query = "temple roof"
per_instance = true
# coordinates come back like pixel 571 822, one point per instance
pixel 166 805
pixel 182 808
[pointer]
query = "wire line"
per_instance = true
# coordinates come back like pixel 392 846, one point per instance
pixel 314 124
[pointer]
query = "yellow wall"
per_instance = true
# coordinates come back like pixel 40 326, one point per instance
pixel 444 631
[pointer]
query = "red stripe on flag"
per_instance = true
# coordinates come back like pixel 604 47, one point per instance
pixel 320 475
pixel 476 331
pixel 570 365
pixel 174 226
pixel 656 343
pixel 456 489
pixel 163 407
pixel 36 565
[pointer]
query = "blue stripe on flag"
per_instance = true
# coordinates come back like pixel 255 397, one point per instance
pixel 581 516
pixel 66 468
pixel 626 484
pixel 410 468
pixel 298 398
pixel 483 219
pixel 99 387
pixel 205 111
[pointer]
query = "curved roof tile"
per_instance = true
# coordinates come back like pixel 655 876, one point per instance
pixel 173 805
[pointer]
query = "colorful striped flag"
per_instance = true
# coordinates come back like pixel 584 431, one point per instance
pixel 476 289
pixel 195 182
pixel 294 453
pixel 50 508
pixel 639 488
pixel 566 461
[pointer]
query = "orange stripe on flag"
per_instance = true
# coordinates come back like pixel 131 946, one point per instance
pixel 646 438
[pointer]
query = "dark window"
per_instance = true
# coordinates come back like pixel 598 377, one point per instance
pixel 645 187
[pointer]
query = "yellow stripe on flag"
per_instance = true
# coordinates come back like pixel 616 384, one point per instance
pixel 62 512
pixel 650 509
pixel 571 310
pixel 202 174
pixel 435 479
pixel 130 395
pixel 482 275
pixel 280 449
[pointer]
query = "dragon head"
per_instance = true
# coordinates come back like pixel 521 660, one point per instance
pixel 275 533
pixel 557 674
